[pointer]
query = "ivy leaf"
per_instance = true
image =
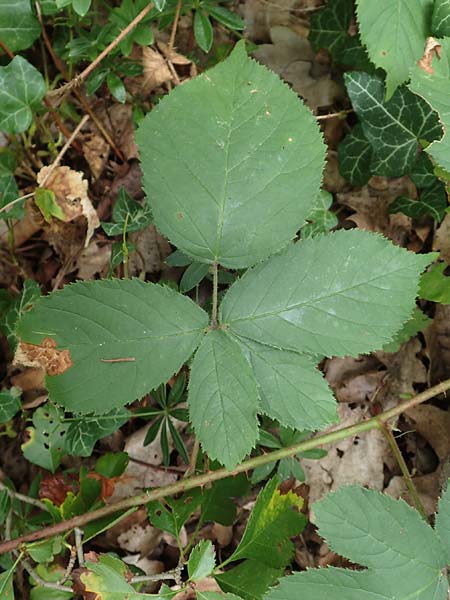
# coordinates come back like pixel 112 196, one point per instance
pixel 9 403
pixel 322 219
pixel 393 128
pixel 291 389
pixel 214 177
pixel 151 326
pixel 128 214
pixel 434 285
pixel 432 201
pixel 433 88
pixel 45 446
pixel 355 157
pixel 223 399
pixel 422 172
pixel 202 561
pixel 405 557
pixel 18 25
pixel 249 580
pixel 271 524
pixel 22 88
pixel 394 33
pixel 440 21
pixel 8 186
pixel 83 434
pixel 327 295
pixel 416 323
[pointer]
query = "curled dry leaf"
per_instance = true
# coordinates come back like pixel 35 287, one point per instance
pixel 70 191
pixel 44 355
pixel 432 48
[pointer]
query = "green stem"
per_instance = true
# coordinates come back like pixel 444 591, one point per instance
pixel 210 476
pixel 387 432
pixel 215 273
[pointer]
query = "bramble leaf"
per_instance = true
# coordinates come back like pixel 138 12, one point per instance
pixel 202 561
pixel 393 128
pixel 223 157
pixel 394 33
pixel 125 338
pixel 241 580
pixel 22 88
pixel 291 389
pixel 18 25
pixel 327 295
pixel 404 556
pixel 272 522
pixel 223 399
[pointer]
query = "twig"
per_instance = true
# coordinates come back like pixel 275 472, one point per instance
pixel 173 33
pixel 193 458
pixel 5 48
pixel 76 81
pixel 210 476
pixel 15 201
pixel 70 566
pixel 387 432
pixel 23 498
pixel 174 575
pixel 79 546
pixel 64 149
pixel 341 115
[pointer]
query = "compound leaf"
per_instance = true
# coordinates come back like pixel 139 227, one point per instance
pixel 344 293
pixel 394 32
pixel 22 88
pixel 18 25
pixel 393 128
pixel 291 389
pixel 223 157
pixel 272 522
pixel 433 87
pixel 125 338
pixel 223 399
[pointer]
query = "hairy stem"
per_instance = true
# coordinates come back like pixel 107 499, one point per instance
pixel 210 476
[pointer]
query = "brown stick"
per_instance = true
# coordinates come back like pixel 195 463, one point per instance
pixel 201 480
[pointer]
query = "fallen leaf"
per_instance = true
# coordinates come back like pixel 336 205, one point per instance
pixel 93 260
pixel 156 70
pixel 437 336
pixel 44 355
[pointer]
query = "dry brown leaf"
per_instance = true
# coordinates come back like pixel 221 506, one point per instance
pixel 432 48
pixel 437 336
pixel 92 260
pixel 156 70
pixel 44 355
pixel 151 251
pixel 70 191
pixel 96 151
pixel 139 538
pixel 441 240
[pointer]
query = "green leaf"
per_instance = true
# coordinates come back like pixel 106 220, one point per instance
pixel 81 7
pixel 94 528
pixel 416 323
pixel 128 214
pixel 18 25
pixel 327 295
pixel 432 201
pixel 422 172
pixel 151 326
pixel 8 186
pixel 9 403
pixel 116 87
pixel 272 522
pixel 355 157
pixel 46 202
pixel 173 514
pixel 321 220
pixel 223 399
pixel 291 389
pixel 10 318
pixel 433 88
pixel 45 550
pixel 193 275
pixel 22 88
pixel 6 585
pixel 393 128
pixel 404 556
pixel 45 446
pixel 434 285
pixel 249 580
pixel 112 464
pixel 226 17
pixel 217 502
pixel 394 33
pixel 442 520
pixel 202 561
pixel 214 180
pixel 203 30
pixel 83 434
pixel 440 21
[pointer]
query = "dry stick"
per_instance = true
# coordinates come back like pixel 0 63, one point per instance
pixel 386 431
pixel 5 48
pixel 173 33
pixel 27 499
pixel 201 480
pixel 94 64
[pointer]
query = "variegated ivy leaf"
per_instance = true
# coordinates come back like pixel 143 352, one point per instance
pixel 19 26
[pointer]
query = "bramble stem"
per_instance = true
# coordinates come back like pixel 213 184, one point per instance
pixel 210 476
pixel 387 432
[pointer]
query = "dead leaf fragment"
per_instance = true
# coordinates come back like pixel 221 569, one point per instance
pixel 156 70
pixel 432 48
pixel 44 355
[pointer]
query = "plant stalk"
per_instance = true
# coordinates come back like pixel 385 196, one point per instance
pixel 210 476
pixel 215 273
